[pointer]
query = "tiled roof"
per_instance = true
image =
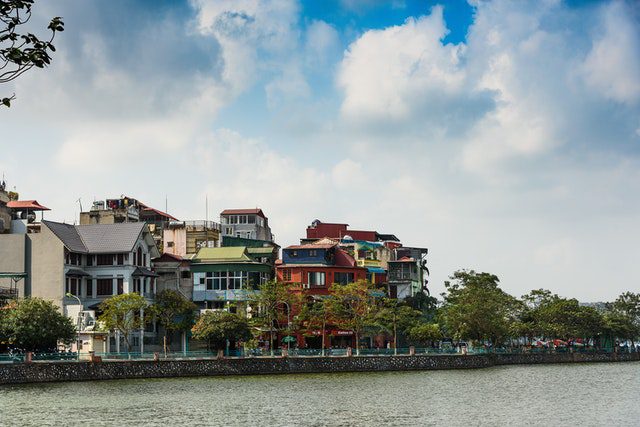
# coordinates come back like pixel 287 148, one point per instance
pixel 158 212
pixel 68 234
pixel 110 237
pixel 256 211
pixel 97 238
pixel 32 205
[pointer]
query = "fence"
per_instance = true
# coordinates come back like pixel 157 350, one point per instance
pixel 294 352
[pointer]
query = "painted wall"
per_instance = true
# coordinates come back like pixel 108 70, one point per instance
pixel 47 266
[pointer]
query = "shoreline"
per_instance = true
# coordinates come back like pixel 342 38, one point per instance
pixel 62 371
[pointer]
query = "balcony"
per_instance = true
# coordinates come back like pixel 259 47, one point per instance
pixel 369 263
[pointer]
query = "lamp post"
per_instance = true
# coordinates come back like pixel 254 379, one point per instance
pixel 78 321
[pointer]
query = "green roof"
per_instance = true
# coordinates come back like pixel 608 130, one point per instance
pixel 230 254
pixel 267 251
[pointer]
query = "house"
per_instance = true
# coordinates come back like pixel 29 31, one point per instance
pixel 185 238
pixel 79 266
pixel 224 275
pixel 318 265
pixel 246 223
pixel 408 272
pixel 174 273
pixel 127 209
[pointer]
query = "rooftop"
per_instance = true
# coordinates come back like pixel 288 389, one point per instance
pixel 255 211
pixel 31 205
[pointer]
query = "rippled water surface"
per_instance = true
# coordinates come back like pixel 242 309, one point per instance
pixel 585 394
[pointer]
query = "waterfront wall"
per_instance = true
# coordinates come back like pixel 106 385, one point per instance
pixel 86 371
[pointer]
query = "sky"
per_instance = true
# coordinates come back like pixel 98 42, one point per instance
pixel 504 136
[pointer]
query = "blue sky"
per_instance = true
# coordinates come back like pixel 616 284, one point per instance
pixel 504 136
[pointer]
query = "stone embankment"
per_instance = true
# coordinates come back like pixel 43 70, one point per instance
pixel 88 371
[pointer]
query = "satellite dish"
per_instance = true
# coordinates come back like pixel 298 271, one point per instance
pixel 347 237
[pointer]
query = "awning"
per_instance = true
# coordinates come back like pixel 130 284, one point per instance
pixel 77 272
pixel 143 272
pixel 376 270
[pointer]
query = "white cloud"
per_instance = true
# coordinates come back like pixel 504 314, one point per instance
pixel 386 73
pixel 612 66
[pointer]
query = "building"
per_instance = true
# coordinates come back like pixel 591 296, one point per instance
pixel 223 275
pixel 5 212
pixel 316 266
pixel 408 272
pixel 185 238
pixel 79 266
pixel 174 273
pixel 127 209
pixel 246 223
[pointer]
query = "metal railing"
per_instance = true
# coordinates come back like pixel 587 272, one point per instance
pixel 295 352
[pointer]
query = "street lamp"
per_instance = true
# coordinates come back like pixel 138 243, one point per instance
pixel 78 321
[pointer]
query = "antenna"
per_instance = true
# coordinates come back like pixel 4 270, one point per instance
pixel 166 204
pixel 80 203
pixel 206 210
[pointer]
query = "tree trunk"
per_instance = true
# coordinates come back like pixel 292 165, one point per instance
pixel 357 343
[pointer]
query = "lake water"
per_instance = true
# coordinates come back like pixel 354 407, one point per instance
pixel 572 394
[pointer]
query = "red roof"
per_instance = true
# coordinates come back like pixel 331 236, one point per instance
pixel 256 211
pixel 312 246
pixel 405 259
pixel 31 205
pixel 157 212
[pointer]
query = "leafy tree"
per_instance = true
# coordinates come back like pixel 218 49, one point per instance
pixel 124 313
pixel 423 333
pixel 216 327
pixel 393 316
pixel 352 307
pixel 34 324
pixel 173 311
pixel 313 316
pixel 21 52
pixel 476 308
pixel 427 304
pixel 622 317
pixel 269 307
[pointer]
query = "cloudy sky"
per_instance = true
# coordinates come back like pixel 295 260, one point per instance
pixel 504 136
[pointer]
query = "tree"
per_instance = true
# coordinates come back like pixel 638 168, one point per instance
pixel 34 324
pixel 173 311
pixel 476 308
pixel 124 313
pixel 622 317
pixel 393 316
pixel 271 300
pixel 352 307
pixel 313 316
pixel 423 333
pixel 216 327
pixel 21 52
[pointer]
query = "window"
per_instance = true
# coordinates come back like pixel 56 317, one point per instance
pixel 233 219
pixel 120 285
pixel 316 278
pixel 313 252
pixel 286 275
pixel 242 219
pixel 120 259
pixel 105 287
pixel 251 219
pixel 169 244
pixel 294 253
pixel 343 278
pixel 104 259
pixel 228 231
pixel 186 274
pixel 89 288
pixel 73 286
pixel 138 256
pixel 144 260
pixel 89 260
pixel 223 280
pixel 73 258
pixel 136 285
